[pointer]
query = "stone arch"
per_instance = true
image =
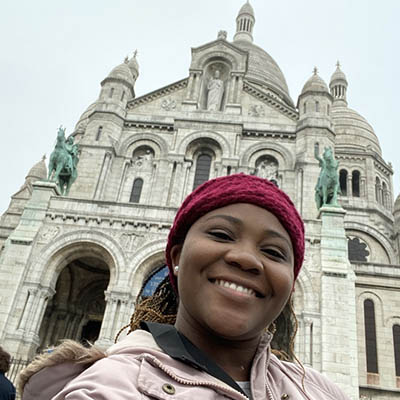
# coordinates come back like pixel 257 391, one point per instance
pixel 375 234
pixel 217 55
pixel 146 259
pixel 304 283
pixel 158 144
pixel 283 155
pixel 392 320
pixel 55 256
pixel 217 137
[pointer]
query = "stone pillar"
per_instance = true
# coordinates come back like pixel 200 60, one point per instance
pixel 114 317
pixel 338 308
pixel 103 175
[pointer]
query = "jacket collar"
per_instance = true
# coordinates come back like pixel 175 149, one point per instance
pixel 177 346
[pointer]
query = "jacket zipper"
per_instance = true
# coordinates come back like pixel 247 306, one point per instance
pixel 201 383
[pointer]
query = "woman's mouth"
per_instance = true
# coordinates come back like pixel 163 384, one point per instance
pixel 235 286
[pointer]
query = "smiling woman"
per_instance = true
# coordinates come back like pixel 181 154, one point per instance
pixel 234 252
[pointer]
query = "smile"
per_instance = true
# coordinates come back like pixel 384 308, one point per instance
pixel 235 286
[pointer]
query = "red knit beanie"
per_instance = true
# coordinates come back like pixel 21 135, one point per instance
pixel 237 188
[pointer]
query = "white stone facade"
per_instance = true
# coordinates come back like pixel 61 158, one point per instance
pixel 69 265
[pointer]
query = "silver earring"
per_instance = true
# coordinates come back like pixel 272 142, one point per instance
pixel 176 268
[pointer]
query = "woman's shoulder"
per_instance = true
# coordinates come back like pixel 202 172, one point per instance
pixel 49 373
pixel 314 381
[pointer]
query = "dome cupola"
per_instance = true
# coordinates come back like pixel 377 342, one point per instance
pixel 338 85
pixel 315 84
pixel 245 23
pixel 38 172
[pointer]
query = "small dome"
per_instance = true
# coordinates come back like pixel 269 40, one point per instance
pixel 353 130
pixel 338 75
pixel 315 84
pixel 264 71
pixel 38 171
pixel 397 204
pixel 246 9
pixel 121 71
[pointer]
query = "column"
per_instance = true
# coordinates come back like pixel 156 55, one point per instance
pixel 339 348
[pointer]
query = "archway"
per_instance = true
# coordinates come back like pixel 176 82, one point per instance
pixel 77 308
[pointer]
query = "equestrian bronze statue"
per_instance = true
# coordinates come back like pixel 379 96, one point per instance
pixel 63 162
pixel 327 188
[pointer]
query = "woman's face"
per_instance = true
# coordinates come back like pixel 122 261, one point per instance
pixel 235 272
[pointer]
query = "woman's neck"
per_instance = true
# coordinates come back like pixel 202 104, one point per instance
pixel 235 357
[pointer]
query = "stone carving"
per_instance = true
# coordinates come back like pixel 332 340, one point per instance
pixel 326 190
pixel 63 162
pixel 50 232
pixel 268 169
pixel 222 35
pixel 131 240
pixel 215 89
pixel 143 159
pixel 256 110
pixel 168 104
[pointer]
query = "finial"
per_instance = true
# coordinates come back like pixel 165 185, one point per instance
pixel 44 157
pixel 338 64
pixel 315 70
pixel 222 35
pixel 126 60
pixel 135 53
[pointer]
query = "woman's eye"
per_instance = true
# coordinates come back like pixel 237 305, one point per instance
pixel 221 235
pixel 274 253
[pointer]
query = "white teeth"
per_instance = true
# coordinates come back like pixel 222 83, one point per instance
pixel 234 286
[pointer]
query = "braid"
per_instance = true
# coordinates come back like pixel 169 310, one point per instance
pixel 161 307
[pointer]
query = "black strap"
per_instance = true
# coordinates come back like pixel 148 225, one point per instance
pixel 179 347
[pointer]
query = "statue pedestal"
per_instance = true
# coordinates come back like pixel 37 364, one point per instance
pixel 189 105
pixel 233 109
pixel 339 350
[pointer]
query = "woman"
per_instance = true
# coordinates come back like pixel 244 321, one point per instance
pixel 234 252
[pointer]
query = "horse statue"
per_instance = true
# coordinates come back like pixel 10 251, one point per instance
pixel 63 162
pixel 327 188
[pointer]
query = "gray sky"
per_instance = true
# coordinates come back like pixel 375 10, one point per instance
pixel 54 54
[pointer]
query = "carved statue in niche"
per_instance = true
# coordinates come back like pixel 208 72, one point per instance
pixel 267 168
pixel 215 91
pixel 143 157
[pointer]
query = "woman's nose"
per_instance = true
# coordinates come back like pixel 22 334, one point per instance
pixel 245 257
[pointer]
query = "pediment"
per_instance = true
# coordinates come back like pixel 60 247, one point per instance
pixel 219 49
pixel 263 102
pixel 166 99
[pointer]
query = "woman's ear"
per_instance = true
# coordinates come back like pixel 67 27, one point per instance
pixel 175 255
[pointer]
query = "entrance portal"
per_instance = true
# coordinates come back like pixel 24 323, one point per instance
pixel 77 308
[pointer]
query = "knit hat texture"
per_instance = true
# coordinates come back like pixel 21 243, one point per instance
pixel 237 188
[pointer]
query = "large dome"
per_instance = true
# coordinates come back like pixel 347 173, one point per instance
pixel 263 70
pixel 353 130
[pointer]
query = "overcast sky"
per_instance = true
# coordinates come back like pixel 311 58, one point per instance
pixel 54 54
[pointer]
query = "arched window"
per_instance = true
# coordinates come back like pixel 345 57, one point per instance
pixel 370 336
pixel 305 107
pixel 203 166
pixel 112 92
pixel 377 190
pixel 343 181
pixel 355 185
pixel 136 190
pixel 98 134
pixel 328 109
pixel 317 106
pixel 123 95
pixel 396 344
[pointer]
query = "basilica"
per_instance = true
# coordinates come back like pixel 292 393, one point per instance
pixel 73 264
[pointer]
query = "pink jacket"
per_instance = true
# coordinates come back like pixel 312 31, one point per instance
pixel 136 368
